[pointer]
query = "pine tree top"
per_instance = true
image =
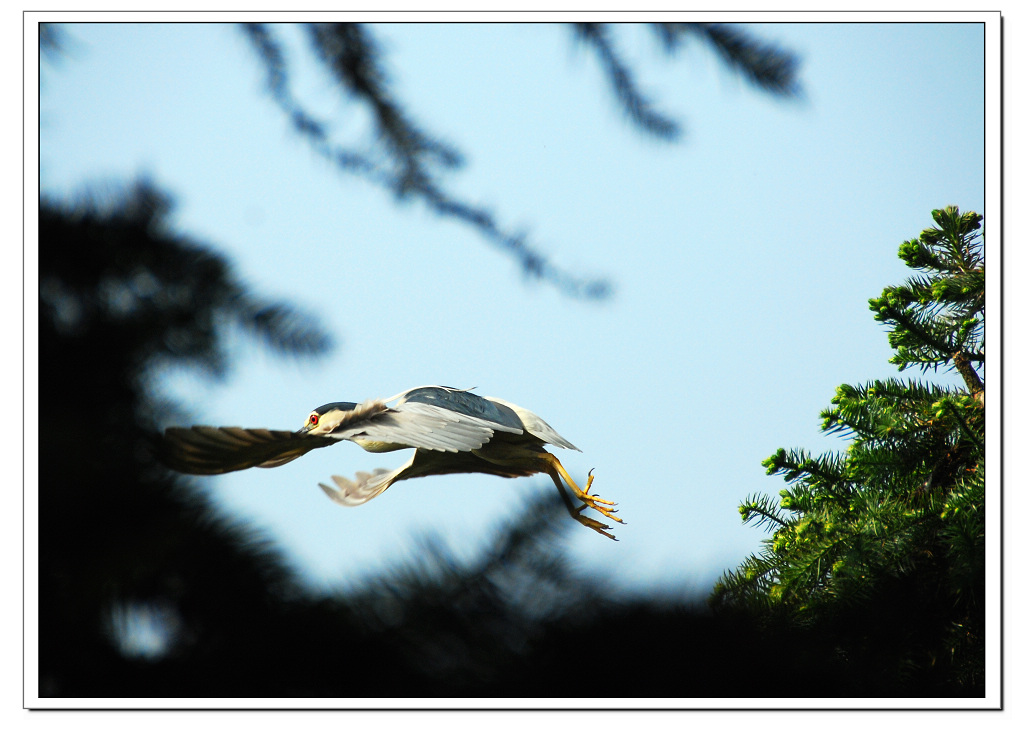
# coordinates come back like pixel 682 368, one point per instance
pixel 888 535
pixel 937 318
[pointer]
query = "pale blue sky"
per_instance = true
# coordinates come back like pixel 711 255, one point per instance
pixel 742 257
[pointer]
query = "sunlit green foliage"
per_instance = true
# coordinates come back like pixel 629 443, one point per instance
pixel 893 527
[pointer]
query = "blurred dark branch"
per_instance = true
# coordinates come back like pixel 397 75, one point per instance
pixel 353 60
pixel 771 68
pixel 767 66
pixel 52 40
pixel 350 54
pixel 637 107
pixel 412 159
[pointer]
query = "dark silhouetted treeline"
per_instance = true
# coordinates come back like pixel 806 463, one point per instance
pixel 123 296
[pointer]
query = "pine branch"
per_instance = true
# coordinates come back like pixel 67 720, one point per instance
pixel 970 376
pixel 637 107
pixel 768 66
pixel 892 530
pixel 351 55
pixel 951 406
pixel 764 511
pixel 352 59
pixel 910 335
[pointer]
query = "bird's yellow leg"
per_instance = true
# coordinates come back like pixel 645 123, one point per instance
pixel 575 510
pixel 555 469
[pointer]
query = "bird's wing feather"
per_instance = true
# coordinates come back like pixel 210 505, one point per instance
pixel 464 403
pixel 536 425
pixel 209 450
pixel 425 426
pixel 367 486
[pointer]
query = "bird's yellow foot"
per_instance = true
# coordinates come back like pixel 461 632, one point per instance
pixel 591 523
pixel 585 495
pixel 593 501
pixel 559 475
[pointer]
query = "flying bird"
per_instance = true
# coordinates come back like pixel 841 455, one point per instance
pixel 452 431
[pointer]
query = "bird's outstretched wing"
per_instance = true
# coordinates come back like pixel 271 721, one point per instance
pixel 535 425
pixel 430 417
pixel 210 450
pixel 433 418
pixel 426 426
pixel 368 485
pixel 365 486
pixel 492 413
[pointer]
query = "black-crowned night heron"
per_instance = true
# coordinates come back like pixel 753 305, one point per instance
pixel 453 431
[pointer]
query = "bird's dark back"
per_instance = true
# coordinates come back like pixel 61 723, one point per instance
pixel 464 402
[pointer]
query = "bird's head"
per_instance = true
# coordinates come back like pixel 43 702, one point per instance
pixel 324 419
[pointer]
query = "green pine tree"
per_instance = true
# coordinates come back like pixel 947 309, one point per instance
pixel 880 550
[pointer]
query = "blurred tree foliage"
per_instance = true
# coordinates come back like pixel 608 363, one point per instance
pixel 412 163
pixel 127 550
pixel 882 549
pixel 145 591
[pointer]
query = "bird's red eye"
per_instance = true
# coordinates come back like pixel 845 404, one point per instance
pixel 314 419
